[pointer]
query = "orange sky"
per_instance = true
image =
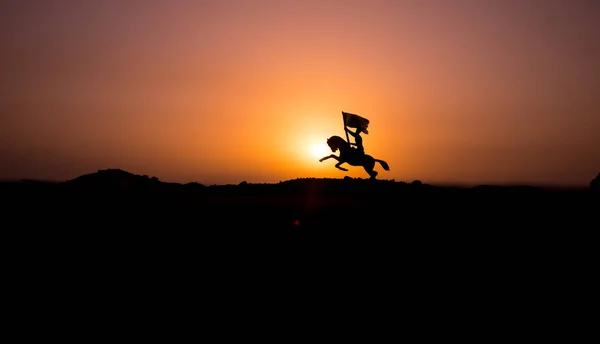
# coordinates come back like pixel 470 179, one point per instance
pixel 224 91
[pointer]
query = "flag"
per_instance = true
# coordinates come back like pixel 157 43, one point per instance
pixel 355 121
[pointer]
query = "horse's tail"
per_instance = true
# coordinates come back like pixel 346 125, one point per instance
pixel 383 164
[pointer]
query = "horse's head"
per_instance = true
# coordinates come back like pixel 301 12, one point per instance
pixel 336 142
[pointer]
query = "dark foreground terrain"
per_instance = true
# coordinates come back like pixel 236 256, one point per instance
pixel 117 201
pixel 122 234
pixel 117 209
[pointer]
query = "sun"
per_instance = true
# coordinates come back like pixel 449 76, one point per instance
pixel 320 150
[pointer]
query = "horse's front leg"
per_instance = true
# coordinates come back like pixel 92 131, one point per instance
pixel 329 157
pixel 338 165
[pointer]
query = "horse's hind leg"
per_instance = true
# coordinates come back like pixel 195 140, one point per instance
pixel 369 168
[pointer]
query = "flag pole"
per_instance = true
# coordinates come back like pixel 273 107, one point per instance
pixel 344 119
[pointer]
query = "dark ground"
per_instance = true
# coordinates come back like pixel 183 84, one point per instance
pixel 114 204
pixel 113 236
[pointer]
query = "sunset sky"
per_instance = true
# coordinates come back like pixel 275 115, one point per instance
pixel 218 92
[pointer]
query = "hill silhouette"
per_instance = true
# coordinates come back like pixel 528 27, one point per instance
pixel 304 203
pixel 595 184
pixel 113 215
pixel 117 206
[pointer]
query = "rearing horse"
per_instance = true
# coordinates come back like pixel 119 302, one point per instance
pixel 348 155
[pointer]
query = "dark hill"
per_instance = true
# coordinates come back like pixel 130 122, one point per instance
pixel 306 203
pixel 595 184
pixel 114 179
pixel 389 228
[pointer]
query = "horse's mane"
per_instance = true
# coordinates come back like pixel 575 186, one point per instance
pixel 336 141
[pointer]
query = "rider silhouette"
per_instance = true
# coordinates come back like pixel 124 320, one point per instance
pixel 358 139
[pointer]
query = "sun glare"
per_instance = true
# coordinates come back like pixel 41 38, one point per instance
pixel 320 150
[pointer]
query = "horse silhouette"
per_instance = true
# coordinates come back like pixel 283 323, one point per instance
pixel 352 157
